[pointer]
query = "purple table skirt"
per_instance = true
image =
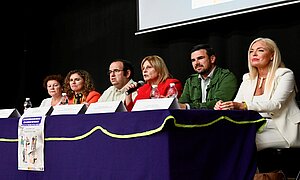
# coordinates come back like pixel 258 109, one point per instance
pixel 146 145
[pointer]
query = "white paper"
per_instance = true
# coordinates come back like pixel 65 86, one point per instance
pixel 37 111
pixel 31 143
pixel 152 104
pixel 202 3
pixel 69 109
pixel 106 107
pixel 9 113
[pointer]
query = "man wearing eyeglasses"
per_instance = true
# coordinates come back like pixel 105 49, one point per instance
pixel 120 74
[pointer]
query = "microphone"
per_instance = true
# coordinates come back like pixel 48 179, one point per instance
pixel 139 84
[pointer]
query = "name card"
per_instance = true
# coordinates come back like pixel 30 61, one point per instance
pixel 106 107
pixel 9 113
pixel 69 109
pixel 38 111
pixel 153 104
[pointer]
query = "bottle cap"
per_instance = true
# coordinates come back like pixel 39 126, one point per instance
pixel 63 94
pixel 27 99
pixel 154 85
pixel 172 84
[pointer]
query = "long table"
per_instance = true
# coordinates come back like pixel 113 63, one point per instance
pixel 145 145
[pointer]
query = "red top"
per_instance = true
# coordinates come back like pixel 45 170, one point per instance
pixel 144 91
pixel 92 97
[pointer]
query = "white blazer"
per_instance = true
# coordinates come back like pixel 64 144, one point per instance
pixel 281 105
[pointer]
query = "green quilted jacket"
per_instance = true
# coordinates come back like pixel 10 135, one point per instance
pixel 222 86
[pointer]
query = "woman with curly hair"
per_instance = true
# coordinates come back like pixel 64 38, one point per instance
pixel 80 88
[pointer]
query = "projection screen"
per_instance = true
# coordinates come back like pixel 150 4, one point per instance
pixel 156 15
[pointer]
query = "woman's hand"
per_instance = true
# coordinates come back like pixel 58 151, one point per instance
pixel 218 105
pixel 128 98
pixel 130 86
pixel 229 105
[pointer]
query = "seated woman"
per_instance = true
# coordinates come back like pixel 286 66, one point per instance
pixel 80 88
pixel 270 89
pixel 155 72
pixel 54 85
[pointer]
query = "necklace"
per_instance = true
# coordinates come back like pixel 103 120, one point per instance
pixel 261 79
pixel 78 98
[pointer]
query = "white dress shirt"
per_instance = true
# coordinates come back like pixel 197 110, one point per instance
pixel 114 94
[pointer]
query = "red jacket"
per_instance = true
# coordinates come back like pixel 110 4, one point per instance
pixel 144 91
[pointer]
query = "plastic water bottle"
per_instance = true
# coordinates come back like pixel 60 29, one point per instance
pixel 27 104
pixel 154 92
pixel 64 99
pixel 172 92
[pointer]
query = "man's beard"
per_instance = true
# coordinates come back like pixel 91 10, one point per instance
pixel 204 71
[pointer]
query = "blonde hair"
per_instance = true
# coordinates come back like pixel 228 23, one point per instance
pixel 159 66
pixel 274 64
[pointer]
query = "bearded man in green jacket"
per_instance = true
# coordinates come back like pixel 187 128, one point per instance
pixel 210 84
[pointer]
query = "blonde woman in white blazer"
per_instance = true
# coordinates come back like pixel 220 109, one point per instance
pixel 270 89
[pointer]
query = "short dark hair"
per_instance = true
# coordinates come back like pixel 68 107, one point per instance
pixel 127 65
pixel 58 77
pixel 209 50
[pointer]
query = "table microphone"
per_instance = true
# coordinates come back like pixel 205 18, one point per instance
pixel 139 84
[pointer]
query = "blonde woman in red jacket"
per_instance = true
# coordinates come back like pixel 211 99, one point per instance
pixel 155 72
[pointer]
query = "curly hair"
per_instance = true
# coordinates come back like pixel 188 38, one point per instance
pixel 88 82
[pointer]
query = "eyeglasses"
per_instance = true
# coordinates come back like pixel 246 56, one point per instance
pixel 114 71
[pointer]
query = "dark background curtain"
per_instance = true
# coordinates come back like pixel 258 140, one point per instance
pixel 87 34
